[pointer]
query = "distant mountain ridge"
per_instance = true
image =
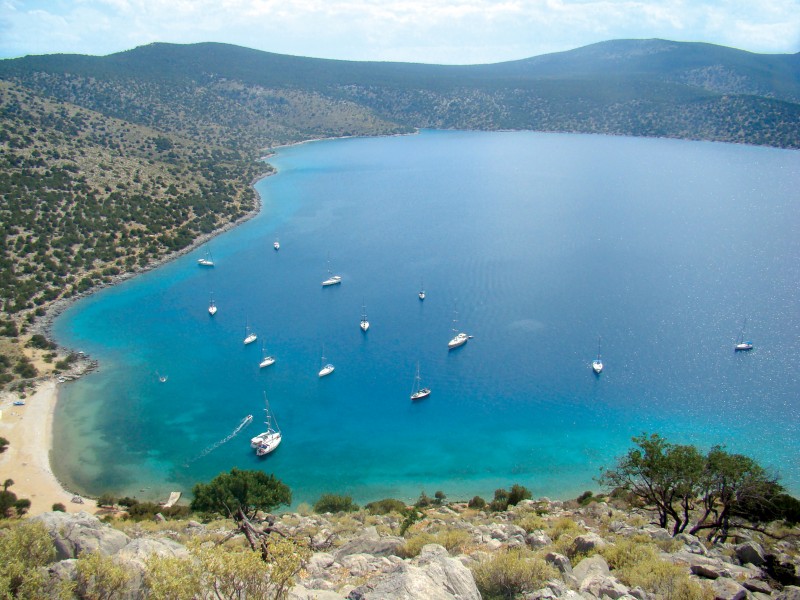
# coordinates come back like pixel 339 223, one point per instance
pixel 629 87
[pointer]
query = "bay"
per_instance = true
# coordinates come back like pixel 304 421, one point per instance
pixel 539 243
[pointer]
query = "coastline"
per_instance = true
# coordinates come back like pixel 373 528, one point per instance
pixel 29 430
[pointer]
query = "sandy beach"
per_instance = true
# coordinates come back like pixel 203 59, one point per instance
pixel 26 460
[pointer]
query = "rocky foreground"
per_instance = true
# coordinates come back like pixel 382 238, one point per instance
pixel 358 556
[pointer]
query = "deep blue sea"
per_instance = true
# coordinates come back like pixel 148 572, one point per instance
pixel 540 244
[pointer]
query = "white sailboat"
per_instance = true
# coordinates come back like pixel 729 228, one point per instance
pixel 332 279
pixel 743 345
pixel 364 322
pixel 459 339
pixel 421 291
pixel 212 308
pixel 267 441
pixel 267 360
pixel 327 368
pixel 417 392
pixel 276 244
pixel 207 260
pixel 249 336
pixel 597 364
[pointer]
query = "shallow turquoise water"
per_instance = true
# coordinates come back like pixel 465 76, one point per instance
pixel 541 243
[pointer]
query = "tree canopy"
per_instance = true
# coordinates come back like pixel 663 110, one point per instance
pixel 240 494
pixel 730 490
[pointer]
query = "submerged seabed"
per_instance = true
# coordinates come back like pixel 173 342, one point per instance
pixel 540 244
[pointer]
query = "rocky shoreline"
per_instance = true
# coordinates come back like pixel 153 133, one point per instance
pixel 358 556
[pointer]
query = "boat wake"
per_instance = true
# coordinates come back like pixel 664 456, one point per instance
pixel 245 422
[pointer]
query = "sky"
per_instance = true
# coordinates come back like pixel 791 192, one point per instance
pixel 427 31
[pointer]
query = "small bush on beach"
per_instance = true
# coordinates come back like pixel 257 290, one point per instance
pixel 333 503
pixel 59 507
pixel 507 574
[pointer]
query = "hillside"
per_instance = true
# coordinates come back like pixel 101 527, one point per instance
pixel 110 164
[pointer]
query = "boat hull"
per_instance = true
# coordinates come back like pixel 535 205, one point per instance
pixel 268 444
pixel 597 367
pixel 457 341
pixel 423 393
pixel 326 370
pixel 743 347
pixel 267 362
pixel 335 280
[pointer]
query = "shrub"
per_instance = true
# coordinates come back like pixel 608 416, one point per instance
pixel 100 576
pixel 585 498
pixel 665 580
pixel 333 503
pixel 500 501
pixel 106 500
pixel 531 522
pixel 517 494
pixel 439 497
pixel 477 503
pixel 23 549
pixel 59 507
pixel 454 540
pixel 424 501
pixel 386 506
pixel 504 575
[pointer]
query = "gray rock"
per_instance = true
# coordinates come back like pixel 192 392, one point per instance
pixel 601 586
pixel 360 565
pixel 727 589
pixel 583 544
pixel 63 570
pixel 640 594
pixel 319 563
pixel 751 552
pixel 433 575
pixel 711 568
pixel 538 539
pixel 594 565
pixel 370 544
pixel 692 543
pixel 561 562
pixel 789 592
pixel 76 533
pixel 757 585
pixel 657 533
pixel 300 592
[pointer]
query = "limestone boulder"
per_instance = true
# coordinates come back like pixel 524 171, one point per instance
pixel 790 592
pixel 538 539
pixel 728 589
pixel 583 544
pixel 76 533
pixel 370 543
pixel 594 565
pixel 433 575
pixel 602 586
pixel 752 553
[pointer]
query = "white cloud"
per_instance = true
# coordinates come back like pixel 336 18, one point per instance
pixel 445 31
